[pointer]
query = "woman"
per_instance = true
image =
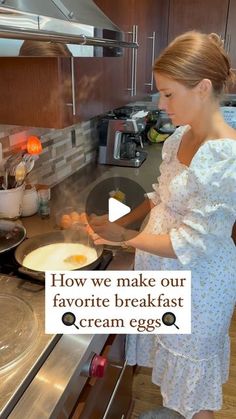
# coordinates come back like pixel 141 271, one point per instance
pixel 190 225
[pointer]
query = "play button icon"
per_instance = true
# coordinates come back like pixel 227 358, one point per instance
pixel 115 197
pixel 116 209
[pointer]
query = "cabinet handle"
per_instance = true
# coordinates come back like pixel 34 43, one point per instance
pixel 133 88
pixel 73 86
pixel 153 38
pixel 226 42
pixel 114 391
pixel 72 104
pixel 229 44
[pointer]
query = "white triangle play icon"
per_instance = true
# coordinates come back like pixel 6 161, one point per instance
pixel 116 209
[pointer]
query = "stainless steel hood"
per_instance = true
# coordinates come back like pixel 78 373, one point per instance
pixel 71 22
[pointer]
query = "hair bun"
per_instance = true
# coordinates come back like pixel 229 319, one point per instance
pixel 214 37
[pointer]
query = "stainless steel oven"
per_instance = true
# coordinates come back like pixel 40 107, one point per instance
pixel 53 376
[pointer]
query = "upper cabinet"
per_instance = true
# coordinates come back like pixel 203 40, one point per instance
pixel 57 92
pixel 203 15
pixel 207 16
pixel 230 36
pixel 145 22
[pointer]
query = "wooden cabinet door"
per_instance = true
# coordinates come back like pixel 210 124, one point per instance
pixel 35 91
pixel 153 25
pixel 98 86
pixel 148 16
pixel 204 15
pixel 121 13
pixel 230 39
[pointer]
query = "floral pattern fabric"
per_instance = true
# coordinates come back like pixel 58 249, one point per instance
pixel 196 206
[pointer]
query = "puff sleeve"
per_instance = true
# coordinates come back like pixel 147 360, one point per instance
pixel 168 149
pixel 211 208
pixel 154 196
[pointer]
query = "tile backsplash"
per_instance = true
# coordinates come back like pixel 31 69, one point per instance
pixel 64 151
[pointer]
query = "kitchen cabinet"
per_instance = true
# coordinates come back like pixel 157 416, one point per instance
pixel 38 91
pixel 207 16
pixel 146 22
pixel 230 36
pixel 45 92
pixel 32 92
pixel 203 15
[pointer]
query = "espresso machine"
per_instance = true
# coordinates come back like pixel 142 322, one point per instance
pixel 120 140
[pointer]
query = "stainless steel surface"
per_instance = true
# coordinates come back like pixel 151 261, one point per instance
pixel 15 379
pixel 153 38
pixel 135 60
pixel 118 134
pixel 229 45
pixel 58 378
pixel 69 21
pixel 47 380
pixel 134 57
pixel 73 86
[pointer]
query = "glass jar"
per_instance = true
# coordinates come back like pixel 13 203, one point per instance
pixel 44 203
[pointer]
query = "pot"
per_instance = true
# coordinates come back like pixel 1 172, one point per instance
pixel 11 234
pixel 63 236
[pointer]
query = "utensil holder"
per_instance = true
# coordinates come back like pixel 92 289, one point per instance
pixel 11 202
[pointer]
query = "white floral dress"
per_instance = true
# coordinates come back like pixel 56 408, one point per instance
pixel 196 205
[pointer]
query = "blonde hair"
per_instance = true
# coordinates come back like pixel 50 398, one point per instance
pixel 194 56
pixel 44 48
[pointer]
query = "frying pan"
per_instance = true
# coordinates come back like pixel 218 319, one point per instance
pixel 63 236
pixel 11 234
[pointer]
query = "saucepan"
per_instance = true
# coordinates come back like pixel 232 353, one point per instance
pixel 65 237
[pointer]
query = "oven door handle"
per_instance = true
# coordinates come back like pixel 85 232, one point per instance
pixel 115 389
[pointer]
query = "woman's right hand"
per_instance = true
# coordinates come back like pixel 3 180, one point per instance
pixel 98 219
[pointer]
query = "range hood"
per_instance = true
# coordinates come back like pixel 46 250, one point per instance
pixel 70 22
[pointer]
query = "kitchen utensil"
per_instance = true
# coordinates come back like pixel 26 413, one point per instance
pixel 29 161
pixel 11 202
pixel 11 162
pixel 11 234
pixel 65 236
pixel 20 173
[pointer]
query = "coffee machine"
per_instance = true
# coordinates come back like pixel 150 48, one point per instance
pixel 120 140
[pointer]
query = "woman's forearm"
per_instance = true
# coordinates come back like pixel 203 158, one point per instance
pixel 137 214
pixel 157 244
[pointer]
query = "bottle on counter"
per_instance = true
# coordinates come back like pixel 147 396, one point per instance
pixel 44 202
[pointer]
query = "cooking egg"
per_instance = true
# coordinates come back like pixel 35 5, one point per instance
pixel 75 217
pixel 83 218
pixel 65 221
